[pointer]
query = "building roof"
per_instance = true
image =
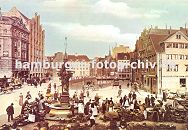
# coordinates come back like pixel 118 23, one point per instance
pixel 78 58
pixel 15 12
pixel 156 40
pixel 59 57
pixel 14 21
pixel 159 35
pixel 123 56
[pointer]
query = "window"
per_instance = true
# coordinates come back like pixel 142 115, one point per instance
pixel 181 57
pixel 176 68
pixel 5 31
pixel 186 57
pixel 186 67
pixel 181 45
pixel 169 45
pixel 5 53
pixel 169 56
pixel 178 36
pixel 169 68
pixel 176 56
pixel 80 73
pixel 186 46
pixel 175 45
pixel 183 82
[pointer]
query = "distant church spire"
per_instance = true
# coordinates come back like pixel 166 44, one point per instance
pixel 109 51
pixel 66 56
pixel 0 14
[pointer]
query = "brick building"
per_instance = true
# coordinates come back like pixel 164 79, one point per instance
pixel 36 38
pixel 14 45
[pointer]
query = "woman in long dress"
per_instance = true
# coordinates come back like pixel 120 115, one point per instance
pixel 21 99
pixel 80 108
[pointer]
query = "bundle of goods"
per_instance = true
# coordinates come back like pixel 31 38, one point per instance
pixel 130 115
pixel 113 125
pixel 179 114
pixel 99 127
pixel 75 126
pixel 57 127
pixel 144 126
pixel 168 114
pixel 133 126
pixel 111 116
pixel 186 104
pixel 149 113
pixel 21 120
pixel 164 127
pixel 43 126
pixel 137 116
pixel 125 114
pixel 27 108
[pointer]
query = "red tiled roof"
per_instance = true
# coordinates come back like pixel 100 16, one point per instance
pixel 156 40
pixel 123 56
pixel 78 58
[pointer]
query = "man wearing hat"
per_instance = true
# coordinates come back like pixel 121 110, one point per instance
pixel 10 112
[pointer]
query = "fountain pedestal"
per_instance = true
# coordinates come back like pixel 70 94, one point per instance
pixel 61 109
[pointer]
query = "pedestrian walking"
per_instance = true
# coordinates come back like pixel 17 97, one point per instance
pixel 103 107
pixel 21 99
pixel 152 101
pixel 127 85
pixel 119 91
pixel 56 95
pixel 111 105
pixel 81 107
pixel 130 96
pixel 28 96
pixel 147 101
pixel 164 96
pixel 125 102
pixel 87 93
pixel 92 119
pixel 41 82
pixel 10 112
pixel 55 86
pixel 121 101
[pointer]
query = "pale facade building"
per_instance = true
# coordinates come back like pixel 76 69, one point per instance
pixel 173 68
pixel 120 49
pixel 166 47
pixel 81 66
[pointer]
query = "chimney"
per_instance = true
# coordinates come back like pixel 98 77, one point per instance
pixel 166 26
pixel 0 14
pixel 169 30
pixel 181 28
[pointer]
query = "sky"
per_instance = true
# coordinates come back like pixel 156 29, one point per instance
pixel 94 26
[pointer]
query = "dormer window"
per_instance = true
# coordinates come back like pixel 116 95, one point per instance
pixel 178 36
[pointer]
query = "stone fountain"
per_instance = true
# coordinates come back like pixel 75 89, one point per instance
pixel 60 110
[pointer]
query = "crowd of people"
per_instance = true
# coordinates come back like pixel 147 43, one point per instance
pixel 97 106
pixel 12 83
pixel 85 103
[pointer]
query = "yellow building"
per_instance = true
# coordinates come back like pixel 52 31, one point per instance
pixel 120 49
